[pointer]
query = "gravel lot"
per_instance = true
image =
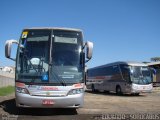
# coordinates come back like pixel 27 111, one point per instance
pixel 102 103
pixel 96 105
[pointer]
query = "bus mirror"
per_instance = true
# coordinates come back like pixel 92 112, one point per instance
pixel 8 47
pixel 89 49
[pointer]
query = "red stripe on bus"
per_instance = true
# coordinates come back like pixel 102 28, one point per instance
pixel 18 84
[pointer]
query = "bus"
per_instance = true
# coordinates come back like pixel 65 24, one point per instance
pixel 50 67
pixel 155 68
pixel 120 77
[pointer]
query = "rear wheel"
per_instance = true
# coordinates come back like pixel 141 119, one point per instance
pixel 136 94
pixel 106 91
pixel 118 90
pixel 93 88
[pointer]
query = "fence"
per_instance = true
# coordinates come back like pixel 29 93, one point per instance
pixel 6 79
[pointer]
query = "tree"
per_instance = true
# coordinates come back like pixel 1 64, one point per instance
pixel 155 59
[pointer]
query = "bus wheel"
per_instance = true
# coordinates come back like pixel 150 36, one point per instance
pixel 106 91
pixel 93 89
pixel 118 90
pixel 136 94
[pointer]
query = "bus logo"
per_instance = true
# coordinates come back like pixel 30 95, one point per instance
pixel 45 77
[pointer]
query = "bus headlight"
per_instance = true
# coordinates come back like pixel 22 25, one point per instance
pixel 151 86
pixel 134 86
pixel 76 91
pixel 22 90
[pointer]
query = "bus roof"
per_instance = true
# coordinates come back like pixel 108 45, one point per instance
pixel 53 28
pixel 131 63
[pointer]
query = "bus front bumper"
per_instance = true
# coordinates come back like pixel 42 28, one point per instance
pixel 70 101
pixel 141 88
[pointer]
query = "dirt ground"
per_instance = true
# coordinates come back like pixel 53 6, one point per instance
pixel 102 103
pixel 97 106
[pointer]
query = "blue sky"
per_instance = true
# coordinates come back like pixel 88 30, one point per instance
pixel 120 29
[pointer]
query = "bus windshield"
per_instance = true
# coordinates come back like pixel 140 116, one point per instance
pixel 66 57
pixel 140 75
pixel 38 48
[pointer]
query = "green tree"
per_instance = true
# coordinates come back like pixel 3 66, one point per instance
pixel 155 59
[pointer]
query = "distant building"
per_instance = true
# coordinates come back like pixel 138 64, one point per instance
pixel 7 69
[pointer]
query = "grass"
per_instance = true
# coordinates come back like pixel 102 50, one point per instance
pixel 6 90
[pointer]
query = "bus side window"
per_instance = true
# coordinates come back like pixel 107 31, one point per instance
pixel 115 70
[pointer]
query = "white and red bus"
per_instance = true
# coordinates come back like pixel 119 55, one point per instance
pixel 50 67
pixel 120 77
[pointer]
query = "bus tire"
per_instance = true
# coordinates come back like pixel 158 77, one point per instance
pixel 136 94
pixel 118 90
pixel 106 91
pixel 93 89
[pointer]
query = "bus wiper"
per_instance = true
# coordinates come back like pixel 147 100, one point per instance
pixel 61 81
